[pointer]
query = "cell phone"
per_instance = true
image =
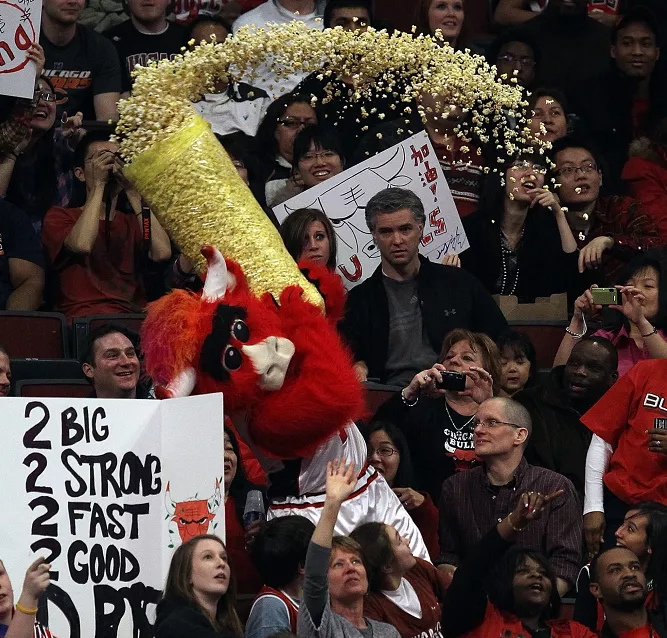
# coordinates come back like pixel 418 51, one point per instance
pixel 605 296
pixel 451 381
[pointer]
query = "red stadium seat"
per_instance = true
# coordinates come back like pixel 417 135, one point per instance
pixel 34 335
pixel 546 337
pixel 84 325
pixel 65 388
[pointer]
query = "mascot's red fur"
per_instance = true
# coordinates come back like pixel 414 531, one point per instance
pixel 281 365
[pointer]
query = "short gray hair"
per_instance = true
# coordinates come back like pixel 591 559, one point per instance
pixel 391 200
pixel 515 413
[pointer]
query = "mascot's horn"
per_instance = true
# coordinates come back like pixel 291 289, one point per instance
pixel 216 274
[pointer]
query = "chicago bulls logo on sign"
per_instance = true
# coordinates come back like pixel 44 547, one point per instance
pixel 193 516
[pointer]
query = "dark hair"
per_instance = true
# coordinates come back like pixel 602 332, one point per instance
pixel 493 50
pixel 319 137
pixel 606 345
pixel 81 150
pixel 557 95
pixel 280 549
pixel 423 27
pixel 88 350
pixel 345 4
pixel 240 485
pixel 479 342
pixel 501 587
pixel 404 474
pixel 576 140
pixel 240 147
pixel 206 19
pixel 293 231
pixel 265 138
pixel 377 551
pixel 391 200
pixel 655 258
pixel 179 586
pixel 519 343
pixel 656 539
pixel 638 15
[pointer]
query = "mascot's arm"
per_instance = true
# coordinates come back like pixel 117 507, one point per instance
pixel 325 397
pixel 330 286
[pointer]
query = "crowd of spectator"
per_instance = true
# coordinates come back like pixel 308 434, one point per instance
pixel 530 487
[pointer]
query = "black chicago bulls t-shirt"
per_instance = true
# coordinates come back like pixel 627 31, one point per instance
pixel 135 48
pixel 85 67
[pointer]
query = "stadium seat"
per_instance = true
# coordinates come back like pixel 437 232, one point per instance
pixel 546 337
pixel 66 388
pixel 376 394
pixel 28 335
pixel 83 325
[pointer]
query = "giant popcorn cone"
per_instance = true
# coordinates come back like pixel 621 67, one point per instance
pixel 191 185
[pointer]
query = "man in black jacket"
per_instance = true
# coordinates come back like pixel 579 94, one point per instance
pixel 560 441
pixel 395 321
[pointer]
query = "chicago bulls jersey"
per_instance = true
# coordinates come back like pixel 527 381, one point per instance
pixel 291 606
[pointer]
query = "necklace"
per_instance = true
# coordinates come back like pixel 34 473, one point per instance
pixel 506 251
pixel 457 427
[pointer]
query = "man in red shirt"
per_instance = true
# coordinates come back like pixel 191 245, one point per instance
pixel 618 582
pixel 97 251
pixel 627 460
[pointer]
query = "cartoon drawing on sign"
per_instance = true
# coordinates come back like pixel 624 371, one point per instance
pixel 354 238
pixel 410 164
pixel 16 42
pixel 192 516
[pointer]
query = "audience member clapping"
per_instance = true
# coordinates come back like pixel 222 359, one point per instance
pixel 519 597
pixel 518 229
pixel 336 580
pixel 610 231
pixel 279 554
pixel 283 121
pixel 97 251
pixel 437 416
pixel 200 594
pixel 560 441
pixel 36 174
pixel 19 621
pixel 518 363
pixel 404 591
pixel 389 454
pixel 636 329
pixel 472 501
pixel 309 235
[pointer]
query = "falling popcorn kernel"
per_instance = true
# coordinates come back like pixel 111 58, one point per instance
pixel 577 190
pixel 585 217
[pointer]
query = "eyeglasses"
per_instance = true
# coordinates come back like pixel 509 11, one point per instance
pixel 296 122
pixel 571 171
pixel 522 60
pixel 489 424
pixel 384 451
pixel 311 157
pixel 527 165
pixel 44 95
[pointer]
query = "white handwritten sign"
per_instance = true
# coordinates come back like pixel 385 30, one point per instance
pixel 411 164
pixel 105 490
pixel 20 22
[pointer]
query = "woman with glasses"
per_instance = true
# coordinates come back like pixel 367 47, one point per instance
pixel 389 454
pixel 436 415
pixel 37 173
pixel 520 240
pixel 284 119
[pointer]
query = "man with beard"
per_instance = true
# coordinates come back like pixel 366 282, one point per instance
pixel 618 582
pixel 560 441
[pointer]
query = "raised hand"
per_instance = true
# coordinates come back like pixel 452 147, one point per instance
pixel 410 499
pixel 632 305
pixel 424 383
pixel 482 384
pixel 341 480
pixel 594 526
pixel 590 256
pixel 530 507
pixel 36 581
pixel 584 306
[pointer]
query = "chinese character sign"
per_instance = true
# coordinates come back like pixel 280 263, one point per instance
pixel 20 21
pixel 105 490
pixel 411 164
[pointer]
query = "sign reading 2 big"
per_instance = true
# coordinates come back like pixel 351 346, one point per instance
pixel 105 490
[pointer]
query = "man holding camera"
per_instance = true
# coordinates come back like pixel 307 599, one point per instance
pixel 99 252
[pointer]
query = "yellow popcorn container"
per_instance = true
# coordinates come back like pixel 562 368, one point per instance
pixel 192 186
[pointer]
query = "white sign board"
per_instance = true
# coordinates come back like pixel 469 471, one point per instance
pixel 20 21
pixel 411 164
pixel 84 484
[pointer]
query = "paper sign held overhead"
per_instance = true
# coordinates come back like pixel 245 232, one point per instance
pixel 20 21
pixel 411 164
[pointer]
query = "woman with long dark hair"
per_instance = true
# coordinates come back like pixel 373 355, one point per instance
pixel 200 595
pixel 444 16
pixel 308 234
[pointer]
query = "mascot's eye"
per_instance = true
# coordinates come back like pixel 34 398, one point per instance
pixel 231 359
pixel 240 331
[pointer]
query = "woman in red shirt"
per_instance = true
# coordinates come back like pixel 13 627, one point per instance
pixel 404 591
pixel 522 599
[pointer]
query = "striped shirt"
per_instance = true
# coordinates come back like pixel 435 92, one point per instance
pixel 470 507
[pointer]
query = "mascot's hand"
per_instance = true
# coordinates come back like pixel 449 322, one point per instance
pixel 329 285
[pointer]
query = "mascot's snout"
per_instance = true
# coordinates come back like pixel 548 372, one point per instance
pixel 270 359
